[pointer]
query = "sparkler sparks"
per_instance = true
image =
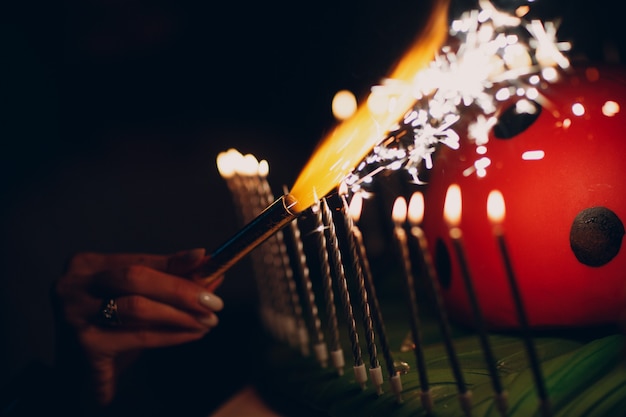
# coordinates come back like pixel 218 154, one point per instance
pixel 490 57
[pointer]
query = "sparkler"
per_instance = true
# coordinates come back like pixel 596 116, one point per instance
pixel 490 57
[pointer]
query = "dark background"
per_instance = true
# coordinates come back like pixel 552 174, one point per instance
pixel 112 113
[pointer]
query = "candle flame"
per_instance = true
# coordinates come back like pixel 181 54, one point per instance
pixel 356 207
pixel 495 206
pixel 351 140
pixel 263 169
pixel 416 208
pixel 398 213
pixel 226 163
pixel 248 165
pixel 452 206
pixel 344 105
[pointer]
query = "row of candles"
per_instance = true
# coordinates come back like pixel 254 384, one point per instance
pixel 296 319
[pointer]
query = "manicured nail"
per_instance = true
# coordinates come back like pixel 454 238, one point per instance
pixel 210 321
pixel 211 301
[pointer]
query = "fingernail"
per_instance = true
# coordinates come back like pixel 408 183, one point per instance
pixel 211 301
pixel 209 321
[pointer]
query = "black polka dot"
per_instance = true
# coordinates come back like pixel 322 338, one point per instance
pixel 514 121
pixel 442 264
pixel 596 236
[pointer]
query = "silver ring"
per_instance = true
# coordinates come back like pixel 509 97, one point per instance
pixel 110 313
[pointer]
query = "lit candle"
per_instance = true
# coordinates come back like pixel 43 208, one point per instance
pixel 264 258
pixel 496 211
pixel 230 165
pixel 398 215
pixel 452 215
pixel 226 166
pixel 336 352
pixel 314 324
pixel 296 330
pixel 354 212
pixel 342 285
pixel 247 169
pixel 416 216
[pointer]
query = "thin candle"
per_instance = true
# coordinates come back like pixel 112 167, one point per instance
pixel 342 285
pixel 496 211
pixel 398 215
pixel 415 217
pixel 314 325
pixel 361 290
pixel 336 352
pixel 227 163
pixel 354 211
pixel 296 330
pixel 226 166
pixel 247 170
pixel 452 215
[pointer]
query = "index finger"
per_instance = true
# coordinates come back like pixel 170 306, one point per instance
pixel 91 262
pixel 156 285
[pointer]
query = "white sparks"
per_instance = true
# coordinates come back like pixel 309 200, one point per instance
pixel 492 57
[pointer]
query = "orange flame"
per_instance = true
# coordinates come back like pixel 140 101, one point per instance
pixel 351 140
pixel 452 206
pixel 495 207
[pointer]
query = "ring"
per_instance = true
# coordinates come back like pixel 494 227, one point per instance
pixel 110 313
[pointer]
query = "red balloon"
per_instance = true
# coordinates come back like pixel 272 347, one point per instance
pixel 562 172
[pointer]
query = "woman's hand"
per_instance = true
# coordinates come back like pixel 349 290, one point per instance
pixel 115 305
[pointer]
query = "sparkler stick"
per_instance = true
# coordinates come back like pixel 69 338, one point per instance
pixel 415 215
pixel 314 324
pixel 336 352
pixel 342 285
pixel 496 213
pixel 399 217
pixel 362 292
pixel 452 215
